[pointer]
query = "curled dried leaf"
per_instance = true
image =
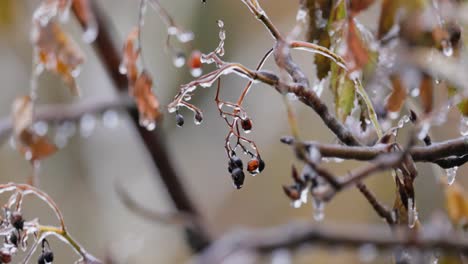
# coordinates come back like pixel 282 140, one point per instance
pixel 357 50
pixel 130 57
pixel 456 201
pixel 33 147
pixel 57 52
pixel 147 102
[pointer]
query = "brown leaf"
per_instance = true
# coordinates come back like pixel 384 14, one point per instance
pixel 32 146
pixel 457 204
pixel 397 98
pixel 357 50
pixel 130 57
pixel 22 114
pixel 57 52
pixel 426 92
pixel 147 103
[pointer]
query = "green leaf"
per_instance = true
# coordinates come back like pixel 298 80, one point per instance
pixel 344 92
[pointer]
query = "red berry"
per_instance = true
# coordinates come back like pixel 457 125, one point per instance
pixel 252 166
pixel 195 60
pixel 246 124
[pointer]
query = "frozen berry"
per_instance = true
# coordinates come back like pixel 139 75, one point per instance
pixel 252 166
pixel 246 124
pixel 238 177
pixel 17 220
pixel 179 120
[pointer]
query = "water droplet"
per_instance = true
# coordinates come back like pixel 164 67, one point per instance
pixel 196 72
pixel 301 15
pixel 149 124
pixel 172 31
pixel 91 32
pixel 281 256
pixel 110 119
pixel 464 126
pixel 28 155
pixel 315 154
pixel 179 60
pixel 367 253
pixel 296 204
pixel 412 213
pixel 87 125
pixel 451 174
pixel 319 208
pixel 393 115
pixel 415 92
pixel 185 36
pixel 447 48
pixel 40 128
pixel 122 68
pixel 220 23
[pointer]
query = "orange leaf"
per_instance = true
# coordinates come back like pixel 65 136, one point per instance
pixel 397 98
pixel 57 52
pixel 32 146
pixel 426 91
pixel 456 203
pixel 357 50
pixel 147 103
pixel 130 57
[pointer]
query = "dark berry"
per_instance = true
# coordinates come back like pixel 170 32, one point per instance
pixel 261 165
pixel 238 177
pixel 236 162
pixel 198 117
pixel 5 256
pixel 17 220
pixel 48 256
pixel 41 259
pixel 179 120
pixel 246 124
pixel 14 239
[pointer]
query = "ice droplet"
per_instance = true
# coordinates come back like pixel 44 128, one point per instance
pixel 40 128
pixel 172 31
pixel 424 130
pixel 220 23
pixel 296 204
pixel 196 72
pixel 447 48
pixel 90 33
pixel 301 15
pixel 110 119
pixel 393 115
pixel 149 124
pixel 179 60
pixel 412 213
pixel 87 125
pixel 315 154
pixel 122 68
pixel 415 92
pixel 281 256
pixel 464 126
pixel 451 174
pixel 367 253
pixel 319 208
pixel 185 37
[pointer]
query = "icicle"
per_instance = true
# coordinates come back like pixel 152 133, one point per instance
pixel 451 175
pixel 412 213
pixel 367 253
pixel 319 207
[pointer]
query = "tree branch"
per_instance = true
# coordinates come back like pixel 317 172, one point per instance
pixel 109 52
pixel 294 235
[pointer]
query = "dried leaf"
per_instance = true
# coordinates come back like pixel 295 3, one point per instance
pixel 357 50
pixel 147 103
pixel 22 114
pixel 130 57
pixel 457 204
pixel 426 92
pixel 57 52
pixel 397 98
pixel 32 146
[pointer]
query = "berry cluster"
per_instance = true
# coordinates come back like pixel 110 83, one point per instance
pixel 236 168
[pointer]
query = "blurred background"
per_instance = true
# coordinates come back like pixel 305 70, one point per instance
pixel 81 177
